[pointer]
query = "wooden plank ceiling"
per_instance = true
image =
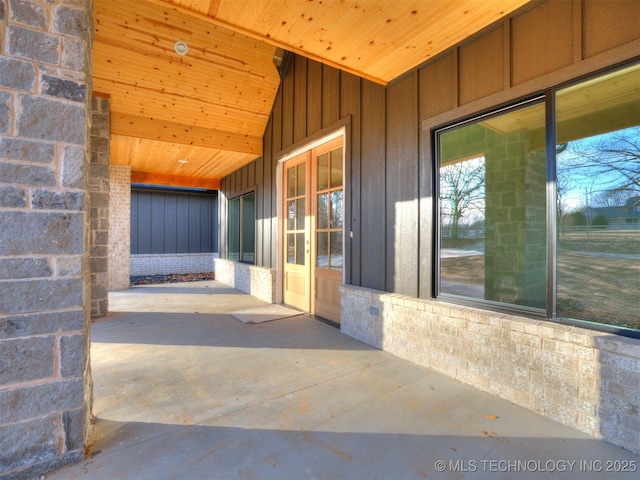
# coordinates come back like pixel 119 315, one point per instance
pixel 190 120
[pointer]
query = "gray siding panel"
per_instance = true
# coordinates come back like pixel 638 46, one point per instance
pixel 372 193
pixel 402 187
pixel 350 100
pixel 173 222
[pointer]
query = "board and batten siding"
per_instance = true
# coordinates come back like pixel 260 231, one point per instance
pixel 389 160
pixel 173 222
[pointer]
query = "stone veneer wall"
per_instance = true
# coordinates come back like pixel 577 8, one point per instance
pixel 256 281
pixel 45 382
pixel 119 227
pixel 99 206
pixel 167 263
pixel 585 379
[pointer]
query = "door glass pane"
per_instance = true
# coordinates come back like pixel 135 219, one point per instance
pixel 291 215
pixel 598 200
pixel 301 177
pixel 492 180
pixel 323 210
pixel 291 182
pixel 323 171
pixel 336 209
pixel 323 250
pixel 336 168
pixel 300 246
pixel 291 248
pixel 336 250
pixel 300 212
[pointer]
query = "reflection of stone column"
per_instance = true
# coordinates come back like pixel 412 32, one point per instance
pixel 515 259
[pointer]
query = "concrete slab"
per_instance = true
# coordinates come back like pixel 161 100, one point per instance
pixel 186 395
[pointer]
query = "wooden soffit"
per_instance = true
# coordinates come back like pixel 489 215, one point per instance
pixel 202 115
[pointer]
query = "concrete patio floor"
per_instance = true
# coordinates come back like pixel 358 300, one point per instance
pixel 183 390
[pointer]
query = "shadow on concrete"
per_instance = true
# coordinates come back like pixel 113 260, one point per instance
pixel 219 330
pixel 138 450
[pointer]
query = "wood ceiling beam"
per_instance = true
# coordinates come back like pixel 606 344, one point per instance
pixel 152 129
pixel 292 48
pixel 147 178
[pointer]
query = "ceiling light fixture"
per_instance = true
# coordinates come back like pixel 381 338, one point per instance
pixel 181 48
pixel 183 160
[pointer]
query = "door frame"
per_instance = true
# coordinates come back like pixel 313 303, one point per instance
pixel 341 129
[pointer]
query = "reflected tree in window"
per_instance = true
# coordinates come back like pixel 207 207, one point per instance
pixel 462 193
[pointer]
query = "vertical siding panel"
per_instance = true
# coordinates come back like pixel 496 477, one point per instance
pixel 260 185
pixel 314 97
pixel 170 225
pixel 222 217
pixel 251 174
pixel 244 177
pixel 402 187
pixel 273 214
pixel 425 243
pixel 237 181
pixel 269 200
pixel 288 91
pixel 183 224
pixel 330 95
pixel 300 99
pixel 144 224
pixel 206 242
pixel 194 224
pixel 276 137
pixel 135 222
pixel 350 105
pixel 373 187
pixel 215 225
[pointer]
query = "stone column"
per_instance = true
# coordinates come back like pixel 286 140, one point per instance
pixel 45 385
pixel 99 206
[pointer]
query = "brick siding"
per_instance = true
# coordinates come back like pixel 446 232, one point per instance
pixel 581 378
pixel 119 226
pixel 256 281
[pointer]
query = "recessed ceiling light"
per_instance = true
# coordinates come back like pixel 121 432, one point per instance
pixel 183 160
pixel 181 48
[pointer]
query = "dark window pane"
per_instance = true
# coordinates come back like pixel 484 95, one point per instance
pixel 336 168
pixel 336 209
pixel 323 250
pixel 323 210
pixel 300 247
pixel 291 182
pixel 598 200
pixel 493 208
pixel 291 215
pixel 300 213
pixel 291 248
pixel 301 179
pixel 323 171
pixel 336 250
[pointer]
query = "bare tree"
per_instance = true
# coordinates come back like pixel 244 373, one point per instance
pixel 613 158
pixel 615 197
pixel 461 188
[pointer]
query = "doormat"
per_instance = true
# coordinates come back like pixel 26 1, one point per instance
pixel 265 314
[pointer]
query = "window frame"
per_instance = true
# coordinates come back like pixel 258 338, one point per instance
pixel 548 98
pixel 240 222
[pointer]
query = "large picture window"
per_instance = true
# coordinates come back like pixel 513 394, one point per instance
pixel 241 233
pixel 538 204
